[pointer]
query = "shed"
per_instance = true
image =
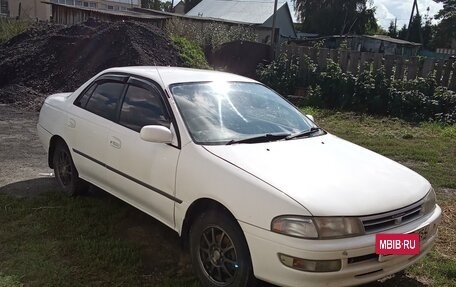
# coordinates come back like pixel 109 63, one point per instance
pixel 366 43
pixel 68 15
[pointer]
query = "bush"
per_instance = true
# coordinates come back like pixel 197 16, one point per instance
pixel 191 53
pixel 10 28
pixel 370 92
pixel 286 74
pixel 211 35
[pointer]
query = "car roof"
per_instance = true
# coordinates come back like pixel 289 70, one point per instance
pixel 173 75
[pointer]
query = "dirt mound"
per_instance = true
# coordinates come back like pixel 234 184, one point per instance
pixel 51 58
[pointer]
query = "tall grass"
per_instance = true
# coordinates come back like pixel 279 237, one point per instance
pixel 11 27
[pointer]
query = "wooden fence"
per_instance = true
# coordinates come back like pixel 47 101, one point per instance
pixel 398 67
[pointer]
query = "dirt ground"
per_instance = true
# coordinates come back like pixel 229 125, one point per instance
pixel 22 156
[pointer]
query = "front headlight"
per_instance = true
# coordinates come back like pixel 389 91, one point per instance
pixel 317 227
pixel 429 202
pixel 295 226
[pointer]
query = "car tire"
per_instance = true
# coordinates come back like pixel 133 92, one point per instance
pixel 219 252
pixel 65 172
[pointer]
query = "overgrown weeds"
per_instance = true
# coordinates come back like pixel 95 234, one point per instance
pixel 11 27
pixel 192 55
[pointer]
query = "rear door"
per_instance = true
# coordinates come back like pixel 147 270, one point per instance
pixel 88 123
pixel 143 173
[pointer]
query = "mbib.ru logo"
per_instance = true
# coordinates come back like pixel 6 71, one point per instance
pixel 397 244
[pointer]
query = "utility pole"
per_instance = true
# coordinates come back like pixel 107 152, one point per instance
pixel 395 26
pixel 415 5
pixel 273 44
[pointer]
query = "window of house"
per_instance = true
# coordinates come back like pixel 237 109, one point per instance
pixel 61 1
pixel 78 3
pixel 110 7
pixel 93 5
pixel 70 2
pixel 104 99
pixel 123 8
pixel 86 4
pixel 142 107
pixel 104 6
pixel 116 8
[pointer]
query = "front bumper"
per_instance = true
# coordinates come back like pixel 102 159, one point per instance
pixel 360 264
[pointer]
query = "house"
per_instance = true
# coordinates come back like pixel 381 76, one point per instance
pixel 179 8
pixel 366 43
pixel 38 9
pixel 4 8
pixel 388 46
pixel 69 15
pixel 259 13
pixel 113 5
pixel 31 9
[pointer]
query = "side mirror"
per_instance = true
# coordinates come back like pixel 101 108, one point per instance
pixel 156 134
pixel 311 118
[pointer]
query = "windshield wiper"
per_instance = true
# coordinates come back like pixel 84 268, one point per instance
pixel 304 133
pixel 260 138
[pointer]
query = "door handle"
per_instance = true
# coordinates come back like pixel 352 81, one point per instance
pixel 115 142
pixel 71 123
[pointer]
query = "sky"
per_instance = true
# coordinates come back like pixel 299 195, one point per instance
pixel 388 10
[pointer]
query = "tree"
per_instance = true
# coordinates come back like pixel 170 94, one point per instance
pixel 156 5
pixel 166 6
pixel 415 30
pixel 392 30
pixel 446 29
pixel 336 17
pixel 151 4
pixel 402 33
pixel 428 31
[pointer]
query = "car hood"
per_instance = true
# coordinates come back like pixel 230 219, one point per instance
pixel 329 176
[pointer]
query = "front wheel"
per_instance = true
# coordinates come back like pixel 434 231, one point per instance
pixel 219 252
pixel 66 173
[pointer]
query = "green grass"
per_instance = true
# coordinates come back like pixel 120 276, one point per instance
pixel 10 28
pixel 50 240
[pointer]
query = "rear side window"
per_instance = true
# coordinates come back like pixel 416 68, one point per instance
pixel 142 107
pixel 104 99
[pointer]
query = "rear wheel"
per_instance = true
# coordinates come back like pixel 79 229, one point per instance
pixel 219 252
pixel 65 172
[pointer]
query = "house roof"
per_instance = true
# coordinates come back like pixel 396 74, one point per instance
pixel 127 13
pixel 392 40
pixel 208 19
pixel 246 11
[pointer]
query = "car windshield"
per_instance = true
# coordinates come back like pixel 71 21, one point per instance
pixel 230 112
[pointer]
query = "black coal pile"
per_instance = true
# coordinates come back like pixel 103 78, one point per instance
pixel 50 58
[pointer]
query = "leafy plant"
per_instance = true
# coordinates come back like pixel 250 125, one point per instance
pixel 209 34
pixel 191 53
pixel 369 91
pixel 286 74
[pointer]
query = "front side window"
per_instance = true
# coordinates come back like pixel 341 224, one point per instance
pixel 142 107
pixel 104 99
pixel 222 112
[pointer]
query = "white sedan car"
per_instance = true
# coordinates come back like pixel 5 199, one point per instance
pixel 254 187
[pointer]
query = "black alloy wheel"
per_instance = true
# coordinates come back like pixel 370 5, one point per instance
pixel 65 172
pixel 219 252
